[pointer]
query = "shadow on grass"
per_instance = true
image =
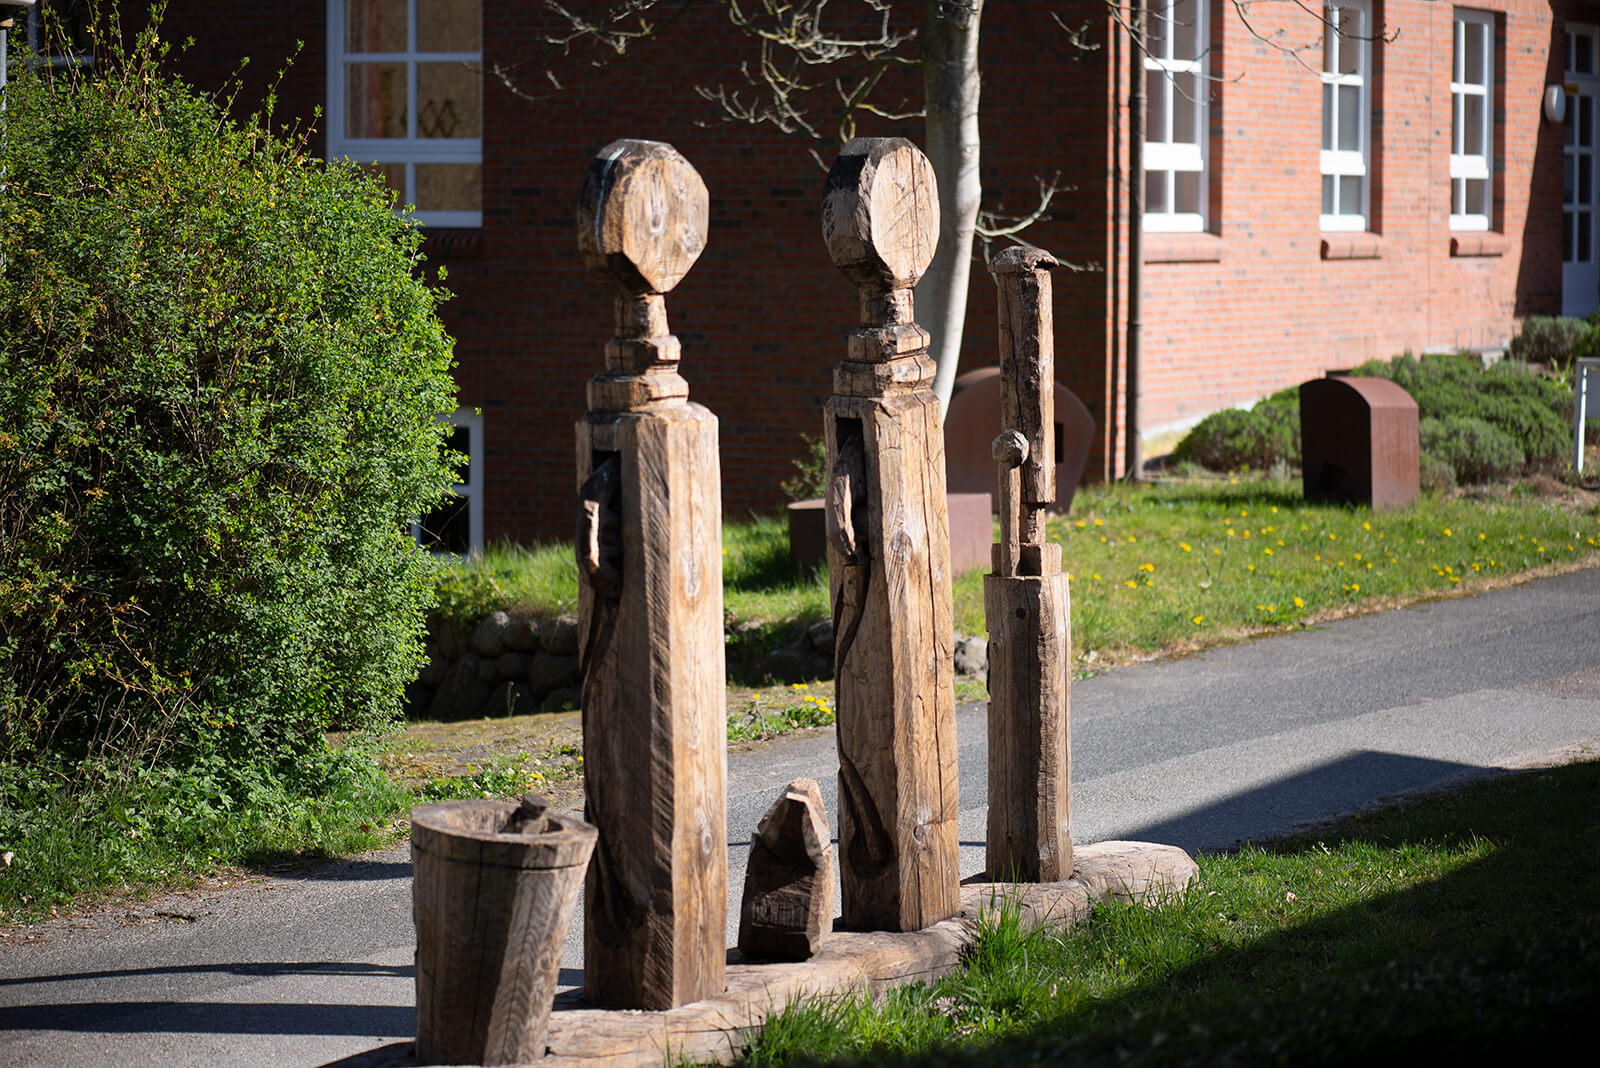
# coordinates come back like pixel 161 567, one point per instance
pixel 1499 958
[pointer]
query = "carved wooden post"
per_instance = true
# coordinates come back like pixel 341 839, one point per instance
pixel 1027 600
pixel 650 605
pixel 889 554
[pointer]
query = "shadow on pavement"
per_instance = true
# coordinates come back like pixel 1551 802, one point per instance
pixel 211 1018
pixel 258 970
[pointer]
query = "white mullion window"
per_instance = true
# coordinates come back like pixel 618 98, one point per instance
pixel 455 528
pixel 1175 116
pixel 405 89
pixel 1346 114
pixel 1472 120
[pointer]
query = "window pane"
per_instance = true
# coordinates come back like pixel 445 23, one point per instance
pixel 1568 222
pixel 1350 195
pixel 1585 235
pixel 459 441
pixel 1585 180
pixel 1155 29
pixel 1185 29
pixel 392 175
pixel 1572 122
pixel 1155 88
pixel 375 100
pixel 1476 196
pixel 1185 109
pixel 1582 61
pixel 1330 42
pixel 1569 170
pixel 448 26
pixel 448 100
pixel 1186 192
pixel 449 187
pixel 1350 33
pixel 1458 199
pixel 1155 192
pixel 448 529
pixel 1327 118
pixel 1473 68
pixel 1327 194
pixel 375 26
pixel 1585 111
pixel 1349 118
pixel 1472 126
pixel 1455 123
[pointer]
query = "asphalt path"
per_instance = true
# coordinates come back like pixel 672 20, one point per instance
pixel 1241 743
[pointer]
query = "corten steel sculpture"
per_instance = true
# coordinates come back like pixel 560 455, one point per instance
pixel 650 605
pixel 1026 600
pixel 1359 442
pixel 888 554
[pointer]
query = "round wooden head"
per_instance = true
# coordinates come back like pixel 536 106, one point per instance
pixel 642 217
pixel 880 214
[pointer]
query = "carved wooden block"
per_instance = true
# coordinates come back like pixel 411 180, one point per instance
pixel 787 909
pixel 650 605
pixel 889 555
pixel 1027 602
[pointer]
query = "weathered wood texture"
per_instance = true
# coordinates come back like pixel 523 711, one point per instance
pixel 718 1028
pixel 492 895
pixel 889 554
pixel 1027 600
pixel 787 909
pixel 650 606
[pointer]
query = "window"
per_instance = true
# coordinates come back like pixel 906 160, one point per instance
pixel 58 33
pixel 1175 116
pixel 1578 154
pixel 1471 120
pixel 1346 113
pixel 456 527
pixel 405 89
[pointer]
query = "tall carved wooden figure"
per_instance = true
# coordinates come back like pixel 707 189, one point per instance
pixel 1027 600
pixel 650 605
pixel 889 554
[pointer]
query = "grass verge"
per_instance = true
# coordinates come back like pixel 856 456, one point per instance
pixel 1462 926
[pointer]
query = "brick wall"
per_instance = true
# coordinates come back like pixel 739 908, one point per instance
pixel 764 315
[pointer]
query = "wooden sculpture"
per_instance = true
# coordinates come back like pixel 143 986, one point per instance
pixel 650 605
pixel 889 555
pixel 787 909
pixel 1026 600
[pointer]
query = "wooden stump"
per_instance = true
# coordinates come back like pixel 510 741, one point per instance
pixel 493 891
pixel 1027 601
pixel 889 554
pixel 650 606
pixel 787 910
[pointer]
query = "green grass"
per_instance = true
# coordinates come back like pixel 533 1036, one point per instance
pixel 1466 926
pixel 1169 566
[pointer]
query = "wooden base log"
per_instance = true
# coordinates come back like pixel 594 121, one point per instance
pixel 787 909
pixel 493 891
pixel 654 725
pixel 1030 727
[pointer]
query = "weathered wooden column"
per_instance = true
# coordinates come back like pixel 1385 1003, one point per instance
pixel 650 605
pixel 889 554
pixel 1027 600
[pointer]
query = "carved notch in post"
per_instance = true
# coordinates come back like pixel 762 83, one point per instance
pixel 889 554
pixel 650 605
pixel 1027 600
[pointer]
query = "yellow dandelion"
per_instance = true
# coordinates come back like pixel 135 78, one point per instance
pixel 1298 603
pixel 1132 585
pixel 1198 619
pixel 1147 567
pixel 1447 532
pixel 1184 546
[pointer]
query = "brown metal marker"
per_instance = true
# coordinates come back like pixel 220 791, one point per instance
pixel 1027 601
pixel 650 605
pixel 889 554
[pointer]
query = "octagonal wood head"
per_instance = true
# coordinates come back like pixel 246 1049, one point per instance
pixel 642 217
pixel 880 214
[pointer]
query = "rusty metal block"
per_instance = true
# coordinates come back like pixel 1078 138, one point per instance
pixel 974 420
pixel 1359 442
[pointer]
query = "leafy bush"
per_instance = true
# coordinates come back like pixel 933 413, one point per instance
pixel 1435 474
pixel 1474 449
pixel 1265 436
pixel 1548 339
pixel 218 389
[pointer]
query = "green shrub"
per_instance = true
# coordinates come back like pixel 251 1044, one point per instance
pixel 1265 436
pixel 1548 339
pixel 218 390
pixel 1434 474
pixel 1475 449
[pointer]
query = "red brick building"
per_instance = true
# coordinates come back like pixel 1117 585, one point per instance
pixel 1306 208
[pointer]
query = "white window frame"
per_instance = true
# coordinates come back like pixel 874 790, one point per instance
pixel 411 149
pixel 471 420
pixel 1335 163
pixel 1170 157
pixel 1475 167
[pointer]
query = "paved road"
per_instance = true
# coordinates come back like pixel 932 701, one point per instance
pixel 1239 743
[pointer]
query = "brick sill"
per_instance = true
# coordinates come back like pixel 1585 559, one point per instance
pixel 1486 243
pixel 451 245
pixel 1182 248
pixel 1352 246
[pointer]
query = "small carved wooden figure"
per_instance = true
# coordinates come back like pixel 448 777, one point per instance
pixel 650 605
pixel 889 554
pixel 787 910
pixel 1027 600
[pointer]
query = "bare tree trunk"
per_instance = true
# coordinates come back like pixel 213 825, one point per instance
pixel 949 41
